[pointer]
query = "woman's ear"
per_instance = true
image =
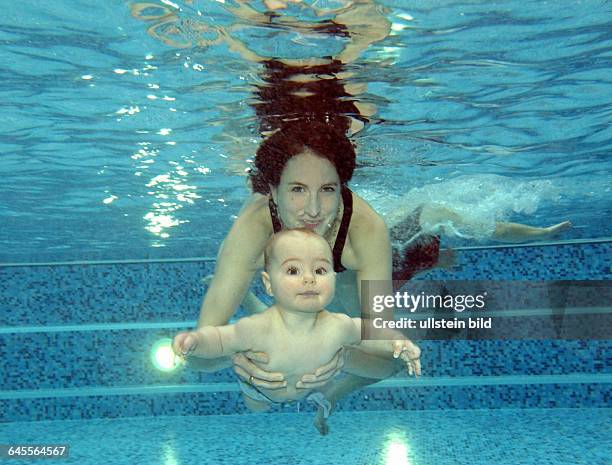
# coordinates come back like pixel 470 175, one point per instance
pixel 265 279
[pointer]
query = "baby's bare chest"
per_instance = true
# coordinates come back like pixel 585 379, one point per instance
pixel 296 355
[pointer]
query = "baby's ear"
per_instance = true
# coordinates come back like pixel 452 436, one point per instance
pixel 265 279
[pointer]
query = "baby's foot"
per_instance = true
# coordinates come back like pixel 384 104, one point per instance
pixel 320 421
pixel 207 279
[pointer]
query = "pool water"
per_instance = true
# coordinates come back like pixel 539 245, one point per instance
pixel 123 162
pixel 104 124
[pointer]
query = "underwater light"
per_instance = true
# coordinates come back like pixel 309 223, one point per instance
pixel 163 357
pixel 396 450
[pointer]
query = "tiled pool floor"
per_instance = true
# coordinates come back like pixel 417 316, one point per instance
pixel 474 437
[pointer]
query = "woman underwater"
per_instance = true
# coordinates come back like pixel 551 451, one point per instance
pixel 302 168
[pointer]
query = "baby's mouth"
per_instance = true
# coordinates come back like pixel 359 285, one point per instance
pixel 309 293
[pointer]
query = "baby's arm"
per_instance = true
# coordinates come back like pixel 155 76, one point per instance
pixel 394 343
pixel 215 341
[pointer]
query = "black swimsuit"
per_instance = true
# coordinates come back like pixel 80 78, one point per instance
pixel 347 200
pixel 419 255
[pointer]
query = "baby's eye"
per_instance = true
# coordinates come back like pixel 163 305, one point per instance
pixel 292 270
pixel 321 271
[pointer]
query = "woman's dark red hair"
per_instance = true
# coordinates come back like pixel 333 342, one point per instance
pixel 293 139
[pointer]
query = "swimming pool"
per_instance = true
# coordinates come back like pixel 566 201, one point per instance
pixel 120 152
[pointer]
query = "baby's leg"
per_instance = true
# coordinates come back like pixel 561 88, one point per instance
pixel 361 370
pixel 255 406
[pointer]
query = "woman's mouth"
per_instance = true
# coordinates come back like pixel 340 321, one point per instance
pixel 311 224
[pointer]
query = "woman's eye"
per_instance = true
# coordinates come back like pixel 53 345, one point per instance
pixel 329 189
pixel 292 270
pixel 321 271
pixel 297 189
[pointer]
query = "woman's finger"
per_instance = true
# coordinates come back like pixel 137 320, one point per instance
pixel 269 384
pixel 251 373
pixel 259 382
pixel 260 357
pixel 312 385
pixel 332 366
pixel 313 381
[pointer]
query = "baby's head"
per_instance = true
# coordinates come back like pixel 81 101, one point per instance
pixel 299 270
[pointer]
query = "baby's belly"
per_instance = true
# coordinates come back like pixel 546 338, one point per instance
pixel 293 368
pixel 288 394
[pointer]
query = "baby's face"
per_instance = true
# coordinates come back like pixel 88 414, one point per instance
pixel 301 273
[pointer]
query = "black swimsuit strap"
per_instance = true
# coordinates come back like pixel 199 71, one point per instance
pixel 347 201
pixel 276 224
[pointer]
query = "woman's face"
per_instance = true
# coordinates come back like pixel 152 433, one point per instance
pixel 308 193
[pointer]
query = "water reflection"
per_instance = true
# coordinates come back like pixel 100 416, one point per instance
pixel 302 54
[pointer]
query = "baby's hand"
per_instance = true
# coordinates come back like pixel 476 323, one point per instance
pixel 409 353
pixel 185 343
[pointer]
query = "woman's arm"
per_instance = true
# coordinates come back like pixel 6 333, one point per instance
pixel 236 264
pixel 371 246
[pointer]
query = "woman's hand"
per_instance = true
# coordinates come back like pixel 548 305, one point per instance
pixel 323 374
pixel 251 373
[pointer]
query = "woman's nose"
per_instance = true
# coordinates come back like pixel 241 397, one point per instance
pixel 312 206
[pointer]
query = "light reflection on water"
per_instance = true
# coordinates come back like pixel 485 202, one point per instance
pixel 144 136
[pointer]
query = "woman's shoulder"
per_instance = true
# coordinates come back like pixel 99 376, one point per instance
pixel 364 217
pixel 366 229
pixel 252 227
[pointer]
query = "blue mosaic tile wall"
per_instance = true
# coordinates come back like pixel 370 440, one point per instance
pixel 545 263
pixel 576 395
pixel 106 293
pixel 122 358
pixel 172 292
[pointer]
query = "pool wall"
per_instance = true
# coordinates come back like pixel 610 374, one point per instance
pixel 75 341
